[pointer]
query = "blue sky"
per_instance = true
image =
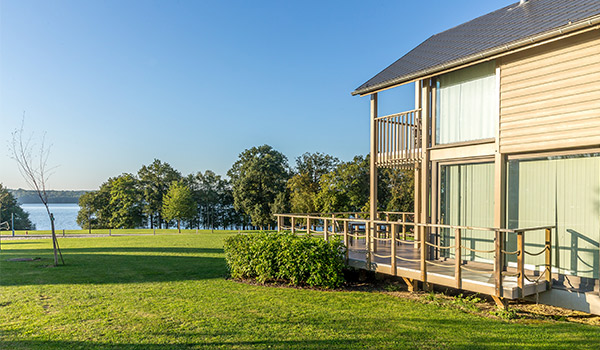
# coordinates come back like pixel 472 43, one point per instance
pixel 115 84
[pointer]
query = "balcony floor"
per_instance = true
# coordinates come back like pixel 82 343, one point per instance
pixel 481 282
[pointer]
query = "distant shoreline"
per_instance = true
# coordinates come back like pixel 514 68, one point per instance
pixel 54 196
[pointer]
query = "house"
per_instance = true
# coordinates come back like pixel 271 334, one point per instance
pixel 505 134
pixel 504 140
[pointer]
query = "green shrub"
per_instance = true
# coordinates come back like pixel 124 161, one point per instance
pixel 298 260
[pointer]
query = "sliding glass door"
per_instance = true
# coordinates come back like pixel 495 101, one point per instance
pixel 467 199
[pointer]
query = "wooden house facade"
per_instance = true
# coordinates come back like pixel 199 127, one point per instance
pixel 507 136
pixel 504 140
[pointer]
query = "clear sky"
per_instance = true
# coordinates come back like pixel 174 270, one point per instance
pixel 115 84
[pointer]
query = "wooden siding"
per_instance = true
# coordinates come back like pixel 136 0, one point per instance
pixel 550 96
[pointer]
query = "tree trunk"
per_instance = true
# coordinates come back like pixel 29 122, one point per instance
pixel 54 241
pixel 179 225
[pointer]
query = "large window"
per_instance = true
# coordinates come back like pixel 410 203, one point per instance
pixel 467 199
pixel 562 191
pixel 467 104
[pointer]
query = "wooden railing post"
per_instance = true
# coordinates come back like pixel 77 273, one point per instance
pixel 549 258
pixel 279 223
pixel 521 262
pixel 387 227
pixel 423 235
pixel 393 248
pixel 498 262
pixel 346 241
pixel 404 226
pixel 368 242
pixel 293 222
pixel 308 225
pixel 325 234
pixel 457 258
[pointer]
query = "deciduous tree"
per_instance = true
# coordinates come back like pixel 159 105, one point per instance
pixel 305 184
pixel 179 204
pixel 257 177
pixel 125 202
pixel 155 180
pixel 35 171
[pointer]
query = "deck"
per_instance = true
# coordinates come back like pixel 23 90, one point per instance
pixel 476 276
pixel 397 247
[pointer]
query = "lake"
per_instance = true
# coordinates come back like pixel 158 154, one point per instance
pixel 65 216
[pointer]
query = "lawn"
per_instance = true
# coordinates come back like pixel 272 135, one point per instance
pixel 170 291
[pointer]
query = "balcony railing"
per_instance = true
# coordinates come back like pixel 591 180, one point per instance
pixel 398 139
pixel 399 246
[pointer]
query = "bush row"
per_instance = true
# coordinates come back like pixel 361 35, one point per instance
pixel 283 256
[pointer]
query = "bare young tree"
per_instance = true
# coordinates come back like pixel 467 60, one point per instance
pixel 35 171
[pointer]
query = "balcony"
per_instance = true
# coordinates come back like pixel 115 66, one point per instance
pixel 398 140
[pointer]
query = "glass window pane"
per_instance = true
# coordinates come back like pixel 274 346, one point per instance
pixel 561 191
pixel 467 104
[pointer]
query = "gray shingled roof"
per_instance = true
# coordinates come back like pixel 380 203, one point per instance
pixel 502 30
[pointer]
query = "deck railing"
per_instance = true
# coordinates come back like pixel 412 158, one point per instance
pixel 398 139
pixel 395 233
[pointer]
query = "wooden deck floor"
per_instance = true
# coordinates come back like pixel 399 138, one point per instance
pixel 480 282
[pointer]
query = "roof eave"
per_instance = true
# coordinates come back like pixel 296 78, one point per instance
pixel 588 22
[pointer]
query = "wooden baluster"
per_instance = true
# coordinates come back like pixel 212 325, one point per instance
pixel 457 258
pixel 293 222
pixel 325 234
pixel 389 140
pixel 279 223
pixel 308 225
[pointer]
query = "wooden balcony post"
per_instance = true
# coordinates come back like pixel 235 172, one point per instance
pixel 549 258
pixel 293 222
pixel 325 234
pixel 457 258
pixel 373 161
pixel 521 262
pixel 279 223
pixel 308 225
pixel 394 229
pixel 498 262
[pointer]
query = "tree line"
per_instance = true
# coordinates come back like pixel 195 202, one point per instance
pixel 54 196
pixel 261 183
pixel 160 196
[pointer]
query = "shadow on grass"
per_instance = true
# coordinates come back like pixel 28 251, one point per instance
pixel 477 334
pixel 98 266
pixel 300 344
pixel 165 250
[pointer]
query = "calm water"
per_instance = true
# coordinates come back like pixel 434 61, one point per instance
pixel 65 216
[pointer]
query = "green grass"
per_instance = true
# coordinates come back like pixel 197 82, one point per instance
pixel 170 291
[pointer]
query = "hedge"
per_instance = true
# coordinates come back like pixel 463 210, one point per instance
pixel 283 256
